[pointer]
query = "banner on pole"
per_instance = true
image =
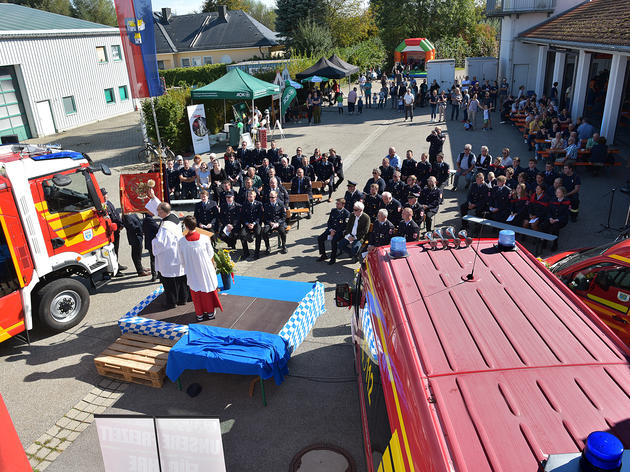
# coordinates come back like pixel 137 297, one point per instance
pixel 135 22
pixel 135 191
pixel 287 97
pixel 198 128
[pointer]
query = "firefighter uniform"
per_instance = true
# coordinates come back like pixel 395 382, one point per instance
pixel 207 214
pixel 336 221
pixel 393 210
pixel 410 231
pixel 430 201
pixel 230 215
pixel 275 213
pixel 352 197
pixel 381 233
pixel 478 195
pixel 251 213
pixel 372 205
pixel 499 200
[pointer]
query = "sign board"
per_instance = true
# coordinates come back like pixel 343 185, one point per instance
pixel 142 443
pixel 198 128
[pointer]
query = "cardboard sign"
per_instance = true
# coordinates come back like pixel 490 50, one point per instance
pixel 131 444
pixel 135 191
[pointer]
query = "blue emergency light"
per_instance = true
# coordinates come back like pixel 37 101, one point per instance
pixel 398 247
pixel 603 451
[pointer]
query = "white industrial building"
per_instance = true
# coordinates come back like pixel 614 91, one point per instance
pixel 582 45
pixel 58 72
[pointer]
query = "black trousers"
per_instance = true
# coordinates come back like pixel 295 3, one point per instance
pixel 231 239
pixel 339 179
pixel 321 241
pixel 463 208
pixel 428 220
pixel 117 243
pixel 175 290
pixel 268 230
pixel 245 233
pixel 136 257
pixel 409 112
pixel 152 259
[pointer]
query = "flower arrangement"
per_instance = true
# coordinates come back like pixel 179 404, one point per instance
pixel 224 263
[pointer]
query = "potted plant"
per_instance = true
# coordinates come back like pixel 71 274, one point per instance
pixel 225 266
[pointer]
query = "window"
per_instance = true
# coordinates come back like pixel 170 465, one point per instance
pixel 196 61
pixel 122 92
pixel 9 281
pixel 185 62
pixel 101 54
pixel 73 197
pixel 116 54
pixel 207 60
pixel 69 106
pixel 109 96
pixel 161 65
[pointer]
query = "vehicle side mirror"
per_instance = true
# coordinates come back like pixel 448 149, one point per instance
pixel 61 180
pixel 343 296
pixel 105 169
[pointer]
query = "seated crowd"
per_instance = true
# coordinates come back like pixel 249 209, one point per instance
pixel 520 196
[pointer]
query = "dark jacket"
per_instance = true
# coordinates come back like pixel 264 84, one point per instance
pixel 380 182
pixel 397 189
pixel 423 172
pixel 387 173
pixel 231 215
pixel 439 170
pixel 233 169
pixel 207 213
pixel 362 228
pixel 479 195
pixel 114 214
pixel 372 204
pixel 408 167
pixel 133 225
pixel 286 174
pixel 381 233
pixel 150 228
pixel 275 214
pixel 538 206
pixel 410 231
pixel 559 210
pixel 337 220
pixel 352 198
pixel 283 195
pixel 393 210
pixel 437 143
pixel 251 212
pixel 300 188
pixel 430 198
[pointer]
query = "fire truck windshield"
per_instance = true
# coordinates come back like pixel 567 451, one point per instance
pixel 73 197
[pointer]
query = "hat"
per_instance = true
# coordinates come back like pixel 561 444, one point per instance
pixel 179 157
pixel 352 182
pixel 103 191
pixel 229 193
pixel 413 195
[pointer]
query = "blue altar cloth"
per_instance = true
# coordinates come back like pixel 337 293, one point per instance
pixel 229 351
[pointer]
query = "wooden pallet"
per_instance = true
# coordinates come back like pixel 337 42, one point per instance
pixel 136 358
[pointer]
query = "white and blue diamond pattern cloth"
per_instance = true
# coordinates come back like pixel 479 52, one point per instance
pixel 304 317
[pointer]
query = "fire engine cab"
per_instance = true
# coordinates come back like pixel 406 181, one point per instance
pixel 54 231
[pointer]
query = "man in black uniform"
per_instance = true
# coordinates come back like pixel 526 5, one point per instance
pixel 387 170
pixel 423 170
pixel 382 230
pixel 436 140
pixel 114 215
pixel 248 184
pixel 499 203
pixel 275 219
pixel 392 206
pixel 301 185
pixel 372 202
pixel 334 229
pixel 325 172
pixel 251 217
pixel 337 163
pixel 281 192
pixel 412 202
pixel 352 196
pixel 396 186
pixel 241 154
pixel 264 170
pixel 550 174
pixel 296 160
pixel 133 226
pixel 286 172
pixel 207 214
pixel 572 183
pixel 233 170
pixel 408 166
pixel 407 228
pixel 230 220
pixel 440 171
pixel 187 177
pixel 477 201
pixel 273 154
pixel 255 156
pixel 430 202
pixel 172 180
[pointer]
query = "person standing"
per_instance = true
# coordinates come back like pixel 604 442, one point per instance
pixel 408 99
pixel 150 228
pixel 317 107
pixel 114 215
pixel 197 257
pixel 352 99
pixel 167 263
pixel 135 236
pixel 456 103
pixel 436 143
pixel 433 102
pixel 309 107
pixel 473 107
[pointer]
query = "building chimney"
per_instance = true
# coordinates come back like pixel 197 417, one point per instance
pixel 223 13
pixel 166 15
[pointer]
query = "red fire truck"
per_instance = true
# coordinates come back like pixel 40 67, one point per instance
pixel 54 231
pixel 478 359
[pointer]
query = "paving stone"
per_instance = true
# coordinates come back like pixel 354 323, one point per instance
pixel 52 432
pixel 52 456
pixel 63 422
pixel 100 409
pixel 72 414
pixel 91 408
pixel 82 416
pixel 32 449
pixel 34 462
pixel 43 453
pixel 43 439
pixel 81 406
pixel 63 445
pixel 96 391
pixel 89 398
pixel 123 387
pixel 73 425
pixel 53 443
pixel 73 436
pixel 82 427
pixel 43 465
pixel 63 434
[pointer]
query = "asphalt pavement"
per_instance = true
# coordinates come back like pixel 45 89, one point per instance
pixel 318 403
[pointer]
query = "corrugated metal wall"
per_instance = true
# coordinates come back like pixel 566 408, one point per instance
pixel 56 67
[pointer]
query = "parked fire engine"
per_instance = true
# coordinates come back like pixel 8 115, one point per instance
pixel 54 231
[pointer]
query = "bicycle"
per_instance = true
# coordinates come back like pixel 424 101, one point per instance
pixel 150 153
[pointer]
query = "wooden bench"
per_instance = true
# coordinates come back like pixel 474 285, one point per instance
pixel 136 358
pixel 299 198
pixel 317 187
pixel 287 186
pixel 539 235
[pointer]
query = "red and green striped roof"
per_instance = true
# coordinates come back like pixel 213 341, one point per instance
pixel 424 44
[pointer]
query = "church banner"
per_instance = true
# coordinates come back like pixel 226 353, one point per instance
pixel 135 191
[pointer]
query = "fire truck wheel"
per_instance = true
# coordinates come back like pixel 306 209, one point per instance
pixel 63 303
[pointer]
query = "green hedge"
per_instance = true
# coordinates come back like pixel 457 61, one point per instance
pixel 170 110
pixel 189 76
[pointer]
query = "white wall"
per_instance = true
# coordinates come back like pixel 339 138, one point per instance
pixel 56 67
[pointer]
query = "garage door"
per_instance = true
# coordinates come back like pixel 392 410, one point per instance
pixel 12 116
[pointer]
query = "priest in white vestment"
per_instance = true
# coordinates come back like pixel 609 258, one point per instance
pixel 196 255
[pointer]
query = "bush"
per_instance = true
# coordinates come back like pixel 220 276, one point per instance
pixel 365 54
pixel 189 76
pixel 452 48
pixel 170 110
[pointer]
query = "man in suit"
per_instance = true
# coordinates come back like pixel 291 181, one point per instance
pixel 356 230
pixel 256 156
pixel 499 203
pixel 241 154
pixel 275 219
pixel 396 186
pixel 337 163
pixel 150 227
pixel 375 179
pixel 372 202
pixel 251 217
pixel 133 225
pixel 233 170
pixel 281 192
pixel 114 215
pixel 477 201
pixel 230 220
pixel 334 229
pixel 302 185
pixel 207 214
pixel 382 230
pixel 392 206
pixel 407 228
pixel 325 171
pixel 286 172
pixel 296 160
pixel 273 154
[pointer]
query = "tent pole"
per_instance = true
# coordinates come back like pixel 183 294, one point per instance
pixel 224 113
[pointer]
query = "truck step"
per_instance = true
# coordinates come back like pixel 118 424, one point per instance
pixel 135 358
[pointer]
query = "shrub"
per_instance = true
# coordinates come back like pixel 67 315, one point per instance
pixel 189 76
pixel 170 111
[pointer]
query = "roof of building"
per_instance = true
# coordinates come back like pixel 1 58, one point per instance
pixel 605 22
pixel 20 19
pixel 206 31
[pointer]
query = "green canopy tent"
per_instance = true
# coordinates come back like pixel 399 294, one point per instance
pixel 235 85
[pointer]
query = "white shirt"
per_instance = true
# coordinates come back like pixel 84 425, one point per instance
pixel 355 226
pixel 165 250
pixel 408 98
pixel 507 161
pixel 196 258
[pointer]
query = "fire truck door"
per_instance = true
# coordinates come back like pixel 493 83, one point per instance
pixel 16 267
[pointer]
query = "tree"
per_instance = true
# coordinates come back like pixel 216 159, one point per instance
pixel 311 39
pixel 61 7
pixel 97 11
pixel 289 13
pixel 349 21
pixel 211 5
pixel 262 13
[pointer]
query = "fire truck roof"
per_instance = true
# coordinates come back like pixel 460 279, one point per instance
pixel 517 365
pixel 14 152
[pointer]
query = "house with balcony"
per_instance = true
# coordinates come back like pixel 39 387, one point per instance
pixel 582 45
pixel 198 39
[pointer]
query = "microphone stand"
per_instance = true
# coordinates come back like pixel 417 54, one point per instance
pixel 607 226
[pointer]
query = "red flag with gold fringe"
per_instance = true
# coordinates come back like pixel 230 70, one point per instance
pixel 135 191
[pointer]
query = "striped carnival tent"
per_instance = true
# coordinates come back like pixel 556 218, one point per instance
pixel 417 50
